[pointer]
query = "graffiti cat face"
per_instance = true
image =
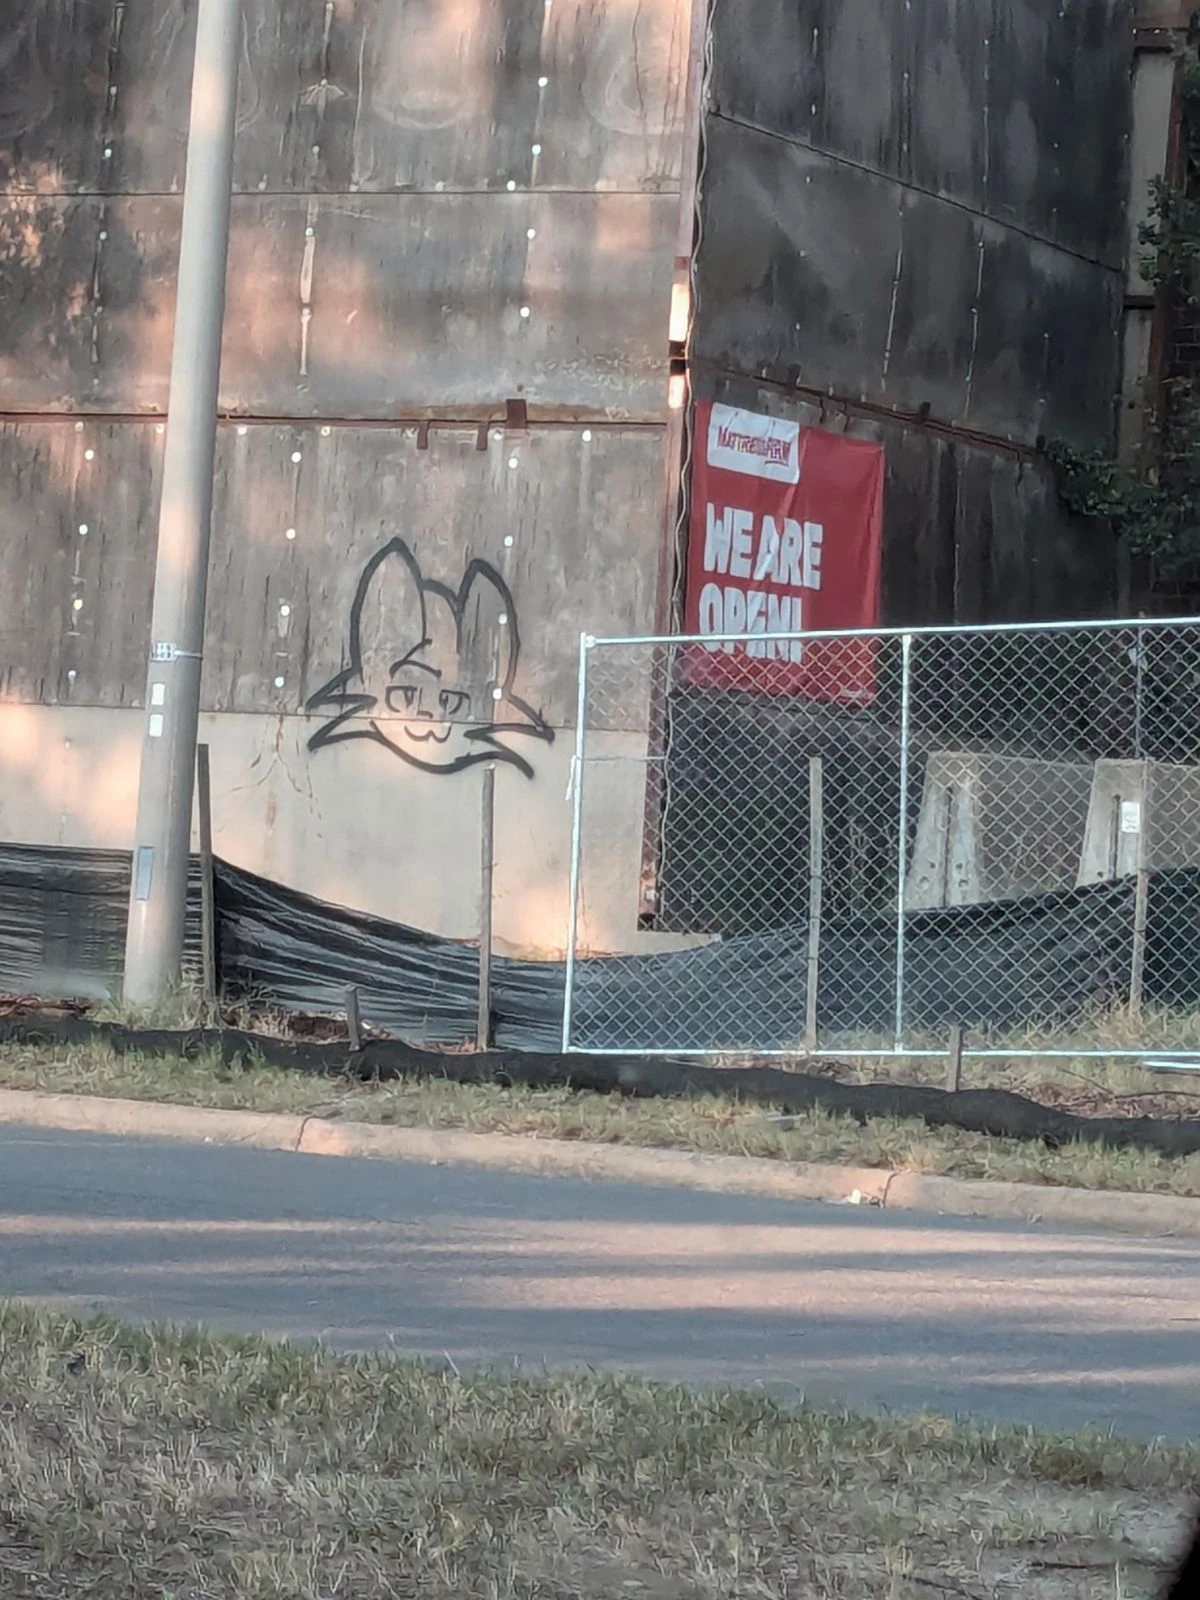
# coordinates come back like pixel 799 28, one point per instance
pixel 431 669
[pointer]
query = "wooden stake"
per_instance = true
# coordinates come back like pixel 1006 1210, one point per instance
pixel 208 907
pixel 353 1020
pixel 487 834
pixel 954 1059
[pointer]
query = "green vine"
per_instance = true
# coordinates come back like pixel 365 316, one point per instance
pixel 1154 506
pixel 1171 233
pixel 1154 513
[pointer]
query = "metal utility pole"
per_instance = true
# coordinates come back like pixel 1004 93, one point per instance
pixel 154 945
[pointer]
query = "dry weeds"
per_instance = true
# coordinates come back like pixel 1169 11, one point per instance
pixel 160 1465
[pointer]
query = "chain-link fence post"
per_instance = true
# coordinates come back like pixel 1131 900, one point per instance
pixel 576 789
pixel 1141 899
pixel 816 868
pixel 906 643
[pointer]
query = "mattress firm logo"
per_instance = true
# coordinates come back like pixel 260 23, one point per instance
pixel 757 446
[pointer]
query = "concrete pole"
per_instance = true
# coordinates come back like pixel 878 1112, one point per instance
pixel 154 945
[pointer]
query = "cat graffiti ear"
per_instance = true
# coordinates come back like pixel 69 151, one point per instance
pixel 489 644
pixel 387 619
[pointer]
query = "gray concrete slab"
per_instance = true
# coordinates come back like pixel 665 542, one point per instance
pixel 1006 1322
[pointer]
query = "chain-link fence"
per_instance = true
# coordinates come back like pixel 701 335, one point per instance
pixel 859 843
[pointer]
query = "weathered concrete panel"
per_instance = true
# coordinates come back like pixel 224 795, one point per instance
pixel 1058 121
pixel 1013 108
pixel 798 68
pixel 796 265
pixel 970 534
pixel 389 306
pixel 365 95
pixel 1048 355
pixel 828 276
pixel 77 532
pixel 565 522
pixel 569 526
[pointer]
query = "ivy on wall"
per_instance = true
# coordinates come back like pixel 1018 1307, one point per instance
pixel 1153 505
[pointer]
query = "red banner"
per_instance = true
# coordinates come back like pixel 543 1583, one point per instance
pixel 786 535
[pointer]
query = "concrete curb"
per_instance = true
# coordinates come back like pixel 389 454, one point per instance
pixel 1111 1210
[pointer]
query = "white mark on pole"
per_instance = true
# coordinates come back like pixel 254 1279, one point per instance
pixel 157 724
pixel 158 694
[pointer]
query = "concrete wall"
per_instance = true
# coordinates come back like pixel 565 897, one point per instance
pixel 915 215
pixel 913 228
pixel 444 387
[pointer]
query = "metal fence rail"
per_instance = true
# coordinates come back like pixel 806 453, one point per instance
pixel 860 842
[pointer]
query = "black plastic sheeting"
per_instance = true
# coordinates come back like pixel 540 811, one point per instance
pixel 1006 965
pixel 287 949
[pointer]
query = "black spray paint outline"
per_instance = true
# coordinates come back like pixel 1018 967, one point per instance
pixel 337 692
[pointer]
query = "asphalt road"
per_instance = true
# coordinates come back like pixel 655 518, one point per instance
pixel 1003 1321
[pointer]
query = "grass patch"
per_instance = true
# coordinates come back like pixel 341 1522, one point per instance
pixel 173 1465
pixel 710 1125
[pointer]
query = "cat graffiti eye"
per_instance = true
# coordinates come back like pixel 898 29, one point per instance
pixel 404 699
pixel 454 703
